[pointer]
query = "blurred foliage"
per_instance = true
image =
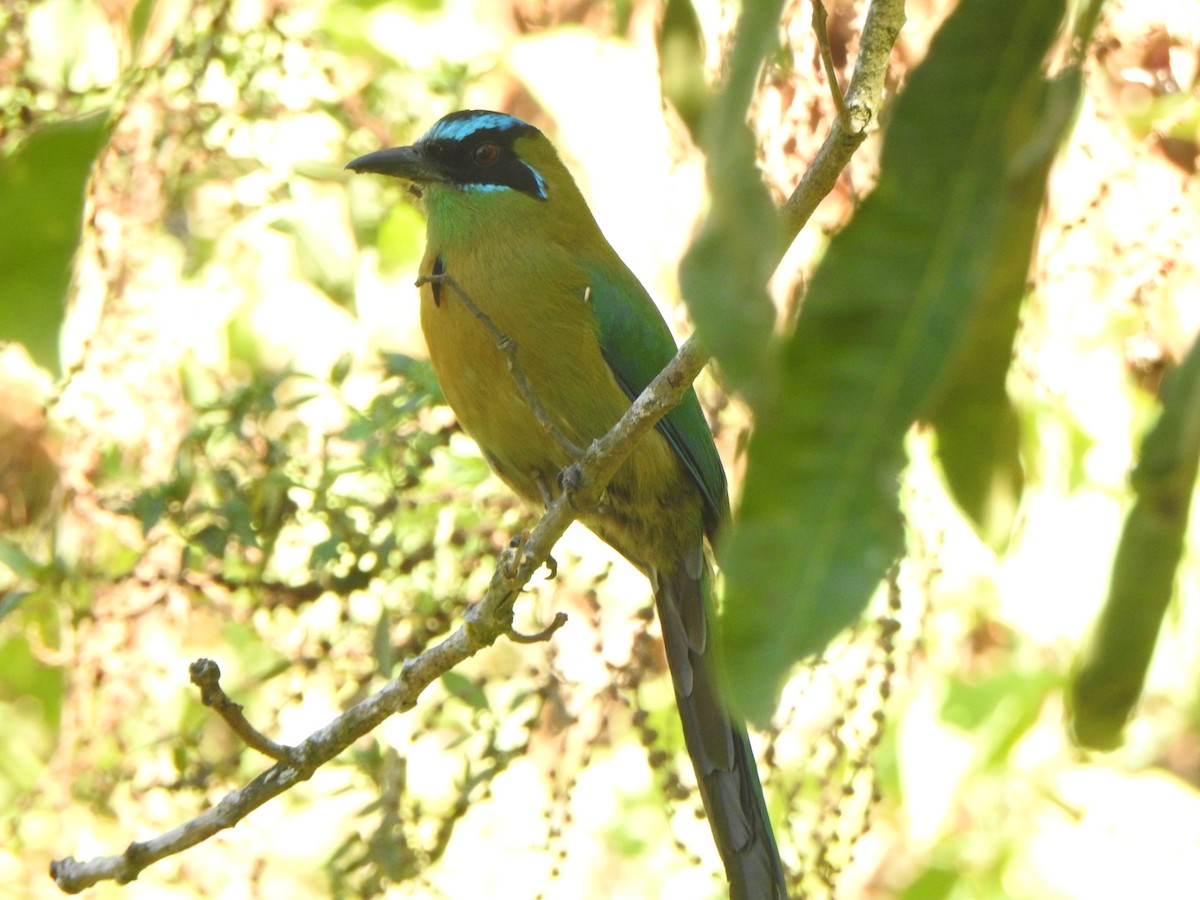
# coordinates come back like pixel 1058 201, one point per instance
pixel 245 472
pixel 41 213
pixel 247 457
pixel 1114 664
pixel 914 306
pixel 735 251
pixel 681 66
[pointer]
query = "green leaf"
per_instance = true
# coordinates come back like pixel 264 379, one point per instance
pixel 10 600
pixel 41 216
pixel 19 562
pixel 382 646
pixel 999 709
pixel 341 368
pixel 681 63
pixel 725 272
pixel 935 883
pixel 977 428
pixel 318 259
pixel 139 21
pixel 978 446
pixel 149 506
pixel 213 539
pixel 890 312
pixel 1113 665
pixel 465 690
pixel 25 675
pixel 401 238
pixel 417 372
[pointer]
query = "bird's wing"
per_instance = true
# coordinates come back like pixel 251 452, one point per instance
pixel 637 345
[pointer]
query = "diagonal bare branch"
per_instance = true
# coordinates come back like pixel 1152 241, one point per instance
pixel 484 623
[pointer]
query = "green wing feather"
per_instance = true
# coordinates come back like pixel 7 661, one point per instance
pixel 637 345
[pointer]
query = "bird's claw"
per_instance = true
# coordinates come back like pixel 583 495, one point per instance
pixel 570 478
pixel 514 553
pixel 571 481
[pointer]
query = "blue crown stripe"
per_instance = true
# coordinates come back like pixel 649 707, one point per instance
pixel 458 129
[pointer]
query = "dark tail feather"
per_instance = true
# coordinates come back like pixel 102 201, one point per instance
pixel 718 744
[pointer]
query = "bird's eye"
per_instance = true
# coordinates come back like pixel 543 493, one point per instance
pixel 486 153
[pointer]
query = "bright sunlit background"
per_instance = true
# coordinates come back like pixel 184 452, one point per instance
pixel 242 475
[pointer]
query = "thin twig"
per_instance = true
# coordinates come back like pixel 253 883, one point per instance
pixel 509 348
pixel 517 637
pixel 488 620
pixel 820 24
pixel 862 101
pixel 206 675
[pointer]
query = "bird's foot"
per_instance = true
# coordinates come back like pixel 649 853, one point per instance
pixel 572 482
pixel 511 560
pixel 514 554
pixel 571 478
pixel 513 557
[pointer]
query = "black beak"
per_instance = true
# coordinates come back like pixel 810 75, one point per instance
pixel 399 162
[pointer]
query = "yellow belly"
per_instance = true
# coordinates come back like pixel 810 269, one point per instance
pixel 559 352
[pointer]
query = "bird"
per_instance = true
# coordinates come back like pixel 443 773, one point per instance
pixel 516 267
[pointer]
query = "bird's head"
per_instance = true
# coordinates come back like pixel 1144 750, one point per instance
pixel 475 152
pixel 477 171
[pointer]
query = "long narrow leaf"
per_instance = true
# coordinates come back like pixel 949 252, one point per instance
pixel 1114 663
pixel 725 272
pixel 975 422
pixel 887 316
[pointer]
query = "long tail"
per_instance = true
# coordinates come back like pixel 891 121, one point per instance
pixel 717 742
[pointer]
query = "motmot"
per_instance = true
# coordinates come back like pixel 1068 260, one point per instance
pixel 507 223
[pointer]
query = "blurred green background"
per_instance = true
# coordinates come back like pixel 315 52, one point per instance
pixel 219 437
